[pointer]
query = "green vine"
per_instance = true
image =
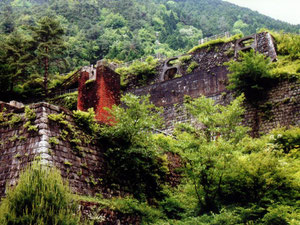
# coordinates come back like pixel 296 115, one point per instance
pixel 69 133
pixel 30 115
pixel 9 119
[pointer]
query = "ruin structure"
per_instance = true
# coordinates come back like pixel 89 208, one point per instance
pixel 100 87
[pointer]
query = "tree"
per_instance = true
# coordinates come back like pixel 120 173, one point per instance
pixel 48 36
pixel 41 197
pixel 250 74
pixel 16 54
pixel 208 148
pixel 133 164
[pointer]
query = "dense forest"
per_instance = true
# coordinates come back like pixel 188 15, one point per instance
pixel 88 30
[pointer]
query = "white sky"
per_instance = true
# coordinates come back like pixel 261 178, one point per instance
pixel 285 10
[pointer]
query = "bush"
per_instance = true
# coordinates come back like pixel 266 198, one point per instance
pixel 281 215
pixel 68 100
pixel 286 139
pixel 250 74
pixel 133 163
pixel 41 197
pixel 288 44
pixel 141 71
pixel 86 120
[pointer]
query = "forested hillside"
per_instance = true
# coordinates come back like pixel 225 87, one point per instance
pixel 128 29
pixel 40 39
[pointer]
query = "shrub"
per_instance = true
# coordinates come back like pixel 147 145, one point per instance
pixel 41 197
pixel 288 44
pixel 68 100
pixel 141 71
pixel 286 139
pixel 86 120
pixel 250 74
pixel 133 163
pixel 281 215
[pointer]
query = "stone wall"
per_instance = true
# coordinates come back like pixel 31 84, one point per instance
pixel 281 107
pixel 98 89
pixel 209 78
pixel 19 146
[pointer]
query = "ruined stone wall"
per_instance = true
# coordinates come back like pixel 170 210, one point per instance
pixel 98 91
pixel 20 146
pixel 209 78
pixel 281 107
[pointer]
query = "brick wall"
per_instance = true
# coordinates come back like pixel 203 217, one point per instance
pixel 98 93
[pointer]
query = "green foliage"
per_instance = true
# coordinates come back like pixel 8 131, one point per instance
pixel 215 42
pixel 287 140
pixel 30 115
pixel 134 121
pixel 288 44
pixel 9 119
pixel 95 29
pixel 142 71
pixel 48 37
pixel 129 205
pixel 208 151
pixel 68 100
pixel 86 120
pixel 133 163
pixel 250 74
pixel 71 133
pixel 193 65
pixel 41 197
pixel 185 58
pixel 53 141
pixel 281 214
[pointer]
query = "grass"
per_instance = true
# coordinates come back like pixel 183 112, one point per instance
pixel 215 42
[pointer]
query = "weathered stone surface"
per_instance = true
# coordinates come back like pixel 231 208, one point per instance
pixel 98 93
pixel 19 147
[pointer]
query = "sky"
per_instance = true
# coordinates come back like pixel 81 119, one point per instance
pixel 285 10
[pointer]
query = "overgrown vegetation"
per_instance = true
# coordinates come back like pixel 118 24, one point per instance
pixel 227 177
pixel 288 47
pixel 72 134
pixel 250 74
pixel 212 43
pixel 139 70
pixel 40 39
pixel 30 116
pixel 193 65
pixel 41 197
pixel 133 163
pixel 9 119
pixel 68 101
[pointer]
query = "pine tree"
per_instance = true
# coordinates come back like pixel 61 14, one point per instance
pixel 48 35
pixel 16 54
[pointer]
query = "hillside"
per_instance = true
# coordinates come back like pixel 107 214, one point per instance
pixel 90 30
pixel 128 29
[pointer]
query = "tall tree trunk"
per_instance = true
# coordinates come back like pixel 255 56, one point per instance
pixel 46 74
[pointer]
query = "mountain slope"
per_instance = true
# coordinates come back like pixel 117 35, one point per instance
pixel 131 29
